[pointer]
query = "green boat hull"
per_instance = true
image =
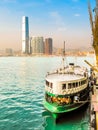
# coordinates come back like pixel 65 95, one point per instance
pixel 60 109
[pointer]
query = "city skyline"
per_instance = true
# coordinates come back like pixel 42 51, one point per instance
pixel 62 21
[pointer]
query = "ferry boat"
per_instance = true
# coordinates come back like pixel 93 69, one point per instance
pixel 66 89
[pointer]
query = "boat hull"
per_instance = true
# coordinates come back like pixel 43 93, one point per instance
pixel 56 110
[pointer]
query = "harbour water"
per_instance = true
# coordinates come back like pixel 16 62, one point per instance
pixel 22 82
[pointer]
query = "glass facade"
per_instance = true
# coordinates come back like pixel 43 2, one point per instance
pixel 25 35
pixel 48 46
pixel 37 45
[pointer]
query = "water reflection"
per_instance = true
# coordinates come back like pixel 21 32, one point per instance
pixel 75 120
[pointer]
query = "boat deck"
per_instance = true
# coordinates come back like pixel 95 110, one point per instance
pixel 64 77
pixel 69 73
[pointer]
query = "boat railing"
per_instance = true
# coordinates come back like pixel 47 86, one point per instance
pixel 59 72
pixel 77 70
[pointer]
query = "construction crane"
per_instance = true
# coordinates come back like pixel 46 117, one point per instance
pixel 94 28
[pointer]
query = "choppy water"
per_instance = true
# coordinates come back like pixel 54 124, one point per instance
pixel 22 92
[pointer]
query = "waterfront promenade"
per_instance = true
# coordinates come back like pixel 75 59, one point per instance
pixel 94 108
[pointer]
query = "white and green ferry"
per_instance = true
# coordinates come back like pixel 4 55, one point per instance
pixel 66 89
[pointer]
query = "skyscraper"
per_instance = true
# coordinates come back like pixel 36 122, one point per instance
pixel 37 45
pixel 48 46
pixel 25 35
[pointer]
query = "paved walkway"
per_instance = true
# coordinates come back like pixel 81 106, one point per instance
pixel 94 105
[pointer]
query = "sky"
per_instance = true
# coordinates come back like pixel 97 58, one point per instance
pixel 62 20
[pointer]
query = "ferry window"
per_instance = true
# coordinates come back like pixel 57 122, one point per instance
pixel 48 98
pixel 79 83
pixel 69 85
pixel 84 81
pixel 73 85
pixel 47 83
pixel 76 84
pixel 63 86
pixel 51 84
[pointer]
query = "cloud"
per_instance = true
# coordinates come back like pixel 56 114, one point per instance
pixel 77 15
pixel 57 21
pixel 61 29
pixel 54 14
pixel 56 18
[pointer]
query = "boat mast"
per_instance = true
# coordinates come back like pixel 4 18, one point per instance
pixel 63 58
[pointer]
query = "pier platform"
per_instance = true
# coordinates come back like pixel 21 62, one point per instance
pixel 94 108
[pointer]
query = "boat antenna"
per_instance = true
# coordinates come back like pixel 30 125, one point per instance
pixel 63 58
pixel 64 49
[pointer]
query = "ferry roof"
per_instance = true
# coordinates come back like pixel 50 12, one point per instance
pixel 64 77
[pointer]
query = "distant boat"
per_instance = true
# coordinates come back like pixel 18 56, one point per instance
pixel 66 89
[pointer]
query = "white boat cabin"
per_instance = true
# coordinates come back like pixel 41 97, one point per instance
pixel 67 81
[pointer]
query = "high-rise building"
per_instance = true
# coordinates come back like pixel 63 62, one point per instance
pixel 9 52
pixel 48 46
pixel 25 35
pixel 37 45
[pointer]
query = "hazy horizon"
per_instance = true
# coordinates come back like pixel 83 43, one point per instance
pixel 62 21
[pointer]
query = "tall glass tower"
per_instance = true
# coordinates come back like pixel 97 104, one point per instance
pixel 25 35
pixel 48 46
